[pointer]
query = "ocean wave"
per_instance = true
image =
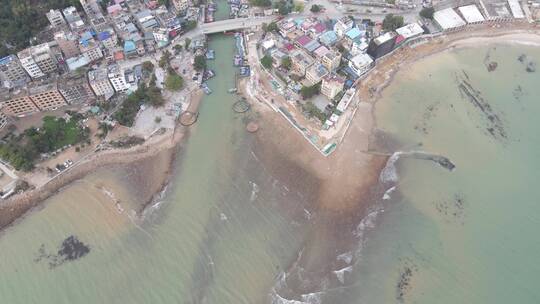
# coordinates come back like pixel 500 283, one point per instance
pixel 387 193
pixel 254 191
pixel 309 298
pixel 340 274
pixel 345 257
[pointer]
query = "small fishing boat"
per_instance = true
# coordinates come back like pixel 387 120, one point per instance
pixel 206 89
pixel 232 90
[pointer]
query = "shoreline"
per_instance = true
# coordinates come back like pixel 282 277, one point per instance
pixel 17 206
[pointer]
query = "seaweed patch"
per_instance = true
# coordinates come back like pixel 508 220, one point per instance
pixel 71 249
pixel 404 282
pixel 453 209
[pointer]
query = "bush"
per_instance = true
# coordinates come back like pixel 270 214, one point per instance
pixel 261 3
pixel 267 61
pixel 315 8
pixel 391 22
pixel 427 12
pixel 148 66
pixel 174 82
pixel 286 63
pixel 308 92
pixel 313 111
pixel 200 62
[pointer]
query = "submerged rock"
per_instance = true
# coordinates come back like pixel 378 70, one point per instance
pixel 522 58
pixel 531 67
pixel 492 66
pixel 71 249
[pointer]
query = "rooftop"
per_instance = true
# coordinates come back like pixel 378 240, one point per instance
pixel 448 19
pixel 516 9
pixel 410 30
pixel 471 13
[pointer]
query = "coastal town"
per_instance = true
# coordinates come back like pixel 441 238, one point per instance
pixel 111 75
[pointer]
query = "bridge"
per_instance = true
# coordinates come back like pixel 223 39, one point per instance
pixel 234 24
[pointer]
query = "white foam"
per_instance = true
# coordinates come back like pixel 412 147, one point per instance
pixel 389 173
pixel 387 193
pixel 345 257
pixel 223 216
pixel 340 274
pixel 254 191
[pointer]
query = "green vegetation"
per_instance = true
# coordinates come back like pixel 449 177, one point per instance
pixel 200 62
pixel 174 82
pixel 177 48
pixel 286 63
pixel 148 66
pixel 20 20
pixel 270 27
pixel 189 25
pixel 164 60
pixel 427 12
pixel 187 43
pixel 308 92
pixel 144 95
pixel 391 22
pixel 283 7
pixel 267 61
pixel 261 3
pixel 298 7
pixel 23 150
pixel 312 111
pixel 315 8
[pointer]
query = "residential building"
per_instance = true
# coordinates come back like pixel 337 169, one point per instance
pixel 46 96
pixel 11 72
pixel 76 90
pixel 73 18
pixel 346 100
pixel 29 64
pixel 108 38
pixel 117 79
pixel 90 49
pixel 412 30
pixel 161 36
pixel 180 6
pixel 315 73
pixel 4 120
pixel 18 103
pixel 301 61
pixel 68 44
pixel 55 18
pixel 329 38
pixel 332 84
pixel 343 25
pixel 361 63
pixel 99 82
pixel 331 60
pixel 382 45
pixel 38 60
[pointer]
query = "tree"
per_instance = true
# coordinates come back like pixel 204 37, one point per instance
pixel 272 27
pixel 165 58
pixel 299 7
pixel 148 66
pixel 308 92
pixel 187 42
pixel 177 48
pixel 286 63
pixel 315 8
pixel 261 3
pixel 200 62
pixel 174 82
pixel 189 25
pixel 427 12
pixel 154 96
pixel 313 111
pixel 283 7
pixel 267 61
pixel 391 22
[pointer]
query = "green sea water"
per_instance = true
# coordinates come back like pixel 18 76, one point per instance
pixel 469 235
pixel 228 231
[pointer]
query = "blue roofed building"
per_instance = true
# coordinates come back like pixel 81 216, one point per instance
pixel 130 49
pixel 329 38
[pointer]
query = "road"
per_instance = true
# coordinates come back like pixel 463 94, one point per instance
pixel 234 24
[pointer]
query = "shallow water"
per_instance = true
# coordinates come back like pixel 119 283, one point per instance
pixel 224 231
pixel 468 235
pixel 228 230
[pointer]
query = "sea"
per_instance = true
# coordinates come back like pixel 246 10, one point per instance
pixel 227 231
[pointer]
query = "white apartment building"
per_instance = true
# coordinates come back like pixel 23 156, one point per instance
pixel 180 5
pixel 29 64
pixel 99 82
pixel 118 80
pixel 55 18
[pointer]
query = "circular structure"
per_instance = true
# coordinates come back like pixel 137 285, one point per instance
pixel 241 106
pixel 252 127
pixel 188 118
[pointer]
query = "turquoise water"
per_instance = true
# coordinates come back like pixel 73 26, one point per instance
pixel 469 235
